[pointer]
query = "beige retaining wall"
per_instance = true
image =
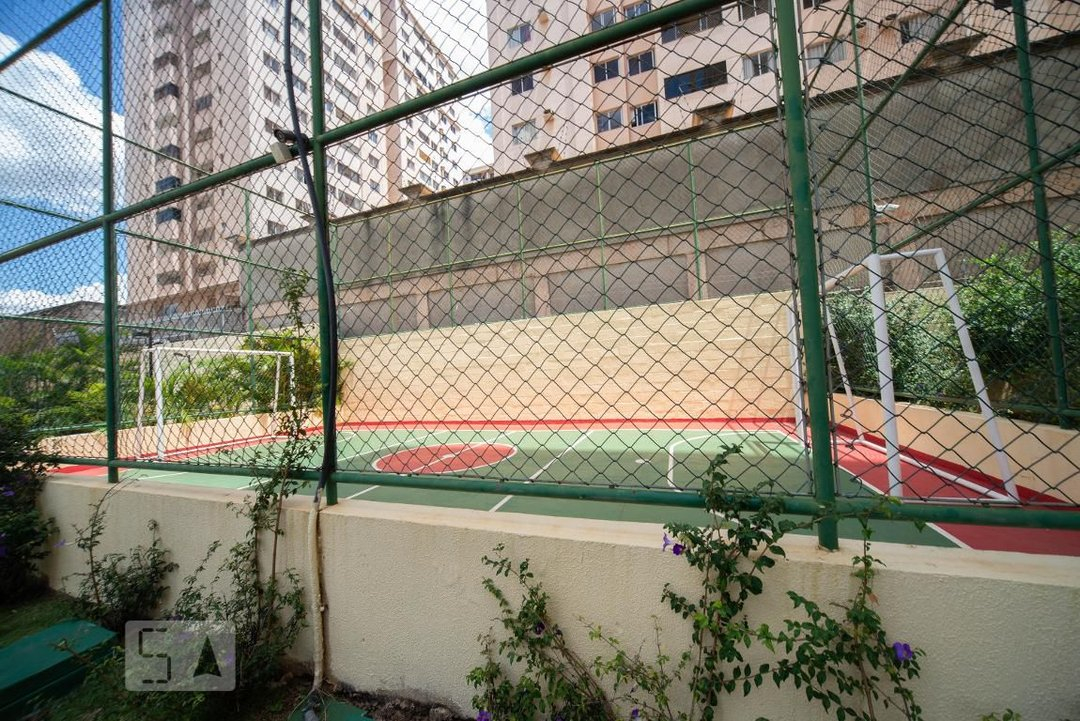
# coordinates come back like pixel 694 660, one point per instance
pixel 177 435
pixel 726 357
pixel 405 603
pixel 1044 458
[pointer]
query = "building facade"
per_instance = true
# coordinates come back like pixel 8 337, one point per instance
pixel 709 68
pixel 204 86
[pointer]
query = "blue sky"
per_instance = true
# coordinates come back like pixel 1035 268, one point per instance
pixel 47 161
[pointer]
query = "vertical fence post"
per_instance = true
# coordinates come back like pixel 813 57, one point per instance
pixel 108 228
pixel 807 264
pixel 327 313
pixel 1042 213
pixel 695 221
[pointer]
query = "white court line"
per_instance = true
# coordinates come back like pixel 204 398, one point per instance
pixel 671 457
pixel 543 468
pixel 500 504
pixel 159 475
pixel 370 488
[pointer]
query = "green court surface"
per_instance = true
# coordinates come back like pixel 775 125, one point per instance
pixel 674 459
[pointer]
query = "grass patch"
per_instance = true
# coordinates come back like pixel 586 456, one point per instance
pixel 30 616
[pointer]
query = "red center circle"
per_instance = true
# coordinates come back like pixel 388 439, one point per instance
pixel 444 458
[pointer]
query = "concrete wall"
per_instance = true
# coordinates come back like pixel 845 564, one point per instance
pixel 696 359
pixel 405 603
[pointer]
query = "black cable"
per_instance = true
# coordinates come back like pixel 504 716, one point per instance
pixel 323 241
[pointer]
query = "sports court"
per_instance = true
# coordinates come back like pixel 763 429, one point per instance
pixel 656 455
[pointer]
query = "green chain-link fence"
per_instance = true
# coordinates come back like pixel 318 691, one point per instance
pixel 576 249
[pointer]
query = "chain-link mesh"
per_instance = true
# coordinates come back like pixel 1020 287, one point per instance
pixel 584 272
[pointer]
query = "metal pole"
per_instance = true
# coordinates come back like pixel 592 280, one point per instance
pixel 112 387
pixel 1042 213
pixel 327 311
pixel 807 262
pixel 698 280
pixel 882 344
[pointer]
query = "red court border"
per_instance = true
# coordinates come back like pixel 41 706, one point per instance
pixel 444 458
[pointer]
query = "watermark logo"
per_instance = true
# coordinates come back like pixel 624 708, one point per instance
pixel 179 656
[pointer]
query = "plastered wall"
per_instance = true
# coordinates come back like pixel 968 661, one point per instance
pixel 405 605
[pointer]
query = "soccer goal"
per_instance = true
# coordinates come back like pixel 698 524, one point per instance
pixel 157 361
pixel 873 264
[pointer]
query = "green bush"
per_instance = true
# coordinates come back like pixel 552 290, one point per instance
pixel 24 531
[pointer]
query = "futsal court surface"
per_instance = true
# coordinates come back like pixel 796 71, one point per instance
pixel 654 455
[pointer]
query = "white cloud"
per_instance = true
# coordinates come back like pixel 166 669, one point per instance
pixel 459 28
pixel 19 301
pixel 45 157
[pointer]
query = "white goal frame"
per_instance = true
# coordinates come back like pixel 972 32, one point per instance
pixel 153 353
pixel 893 455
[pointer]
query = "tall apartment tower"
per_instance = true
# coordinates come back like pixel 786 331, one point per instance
pixel 710 67
pixel 204 88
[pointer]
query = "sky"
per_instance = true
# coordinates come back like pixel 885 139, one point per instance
pixel 54 163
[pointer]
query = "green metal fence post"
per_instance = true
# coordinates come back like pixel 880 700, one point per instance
pixel 1042 213
pixel 326 314
pixel 112 390
pixel 807 263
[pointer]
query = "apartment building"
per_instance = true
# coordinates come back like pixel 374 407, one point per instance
pixel 204 88
pixel 711 67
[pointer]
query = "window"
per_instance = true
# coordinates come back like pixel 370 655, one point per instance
pixel 166 59
pixel 759 64
pixel 695 80
pixel 640 63
pixel 274 194
pixel 303 206
pixel 523 132
pixel 203 103
pixel 519 35
pixel 168 120
pixel 298 25
pixel 825 54
pixel 344 39
pixel 603 18
pixel 167 183
pixel 369 38
pixel 639 8
pixel 164 30
pixel 521 85
pixel 271 30
pixel 203 134
pixel 644 114
pixel 345 65
pixel 750 8
pixel 373 185
pixel 271 95
pixel 299 55
pixel 299 85
pixel 271 62
pixel 605 70
pixel 201 70
pixel 368 15
pixel 167 90
pixel 166 215
pixel 373 136
pixel 690 26
pixel 170 151
pixel 274 228
pixel 920 27
pixel 200 38
pixel 608 120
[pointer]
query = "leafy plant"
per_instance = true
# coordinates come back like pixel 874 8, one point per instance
pixel 120 587
pixel 24 531
pixel 843 662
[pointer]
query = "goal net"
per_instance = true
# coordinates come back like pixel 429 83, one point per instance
pixel 190 384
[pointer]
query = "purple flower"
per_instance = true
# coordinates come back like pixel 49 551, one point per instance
pixel 635 714
pixel 667 542
pixel 483 716
pixel 9 492
pixel 538 629
pixel 678 549
pixel 61 543
pixel 903 652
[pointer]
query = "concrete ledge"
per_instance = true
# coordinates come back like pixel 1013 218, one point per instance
pixel 405 604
